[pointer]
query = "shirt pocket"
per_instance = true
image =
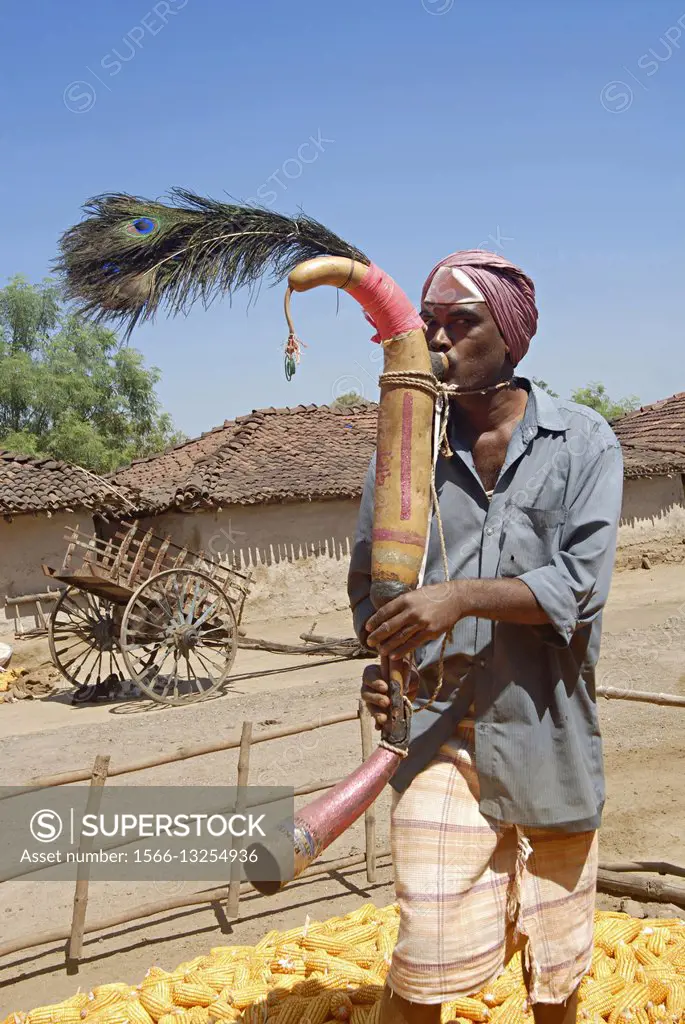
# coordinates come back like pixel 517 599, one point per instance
pixel 530 538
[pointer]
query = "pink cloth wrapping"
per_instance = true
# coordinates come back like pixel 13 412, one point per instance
pixel 508 292
pixel 385 305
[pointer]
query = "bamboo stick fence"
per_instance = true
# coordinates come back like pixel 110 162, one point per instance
pixel 609 878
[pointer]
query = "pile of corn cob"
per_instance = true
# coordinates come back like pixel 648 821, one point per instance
pixel 335 971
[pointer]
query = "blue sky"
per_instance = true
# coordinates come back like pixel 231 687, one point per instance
pixel 552 133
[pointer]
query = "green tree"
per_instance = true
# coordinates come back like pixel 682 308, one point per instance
pixel 349 398
pixel 544 386
pixel 595 395
pixel 67 387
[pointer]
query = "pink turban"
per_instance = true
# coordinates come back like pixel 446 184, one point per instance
pixel 508 293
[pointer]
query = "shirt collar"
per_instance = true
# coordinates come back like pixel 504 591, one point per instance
pixel 542 412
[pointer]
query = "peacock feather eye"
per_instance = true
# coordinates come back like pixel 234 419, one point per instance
pixel 141 226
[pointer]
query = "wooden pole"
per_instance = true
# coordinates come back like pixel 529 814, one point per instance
pixel 672 700
pixel 184 754
pixel 78 920
pixel 648 890
pixel 243 773
pixel 149 910
pixel 659 866
pixel 370 814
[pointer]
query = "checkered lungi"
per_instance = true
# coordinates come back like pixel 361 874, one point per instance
pixel 471 893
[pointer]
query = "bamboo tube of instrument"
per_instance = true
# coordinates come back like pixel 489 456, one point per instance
pixel 78 920
pixel 370 813
pixel 243 774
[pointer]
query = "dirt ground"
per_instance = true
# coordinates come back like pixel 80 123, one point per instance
pixel 643 649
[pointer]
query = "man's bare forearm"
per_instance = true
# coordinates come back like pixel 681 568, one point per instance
pixel 501 600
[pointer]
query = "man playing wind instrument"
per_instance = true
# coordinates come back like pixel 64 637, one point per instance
pixel 497 805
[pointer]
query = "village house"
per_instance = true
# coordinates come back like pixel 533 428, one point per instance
pixel 277 493
pixel 653 515
pixel 39 499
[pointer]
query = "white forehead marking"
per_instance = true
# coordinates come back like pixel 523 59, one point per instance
pixel 451 286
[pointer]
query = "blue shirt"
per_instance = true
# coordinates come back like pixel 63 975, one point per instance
pixel 552 522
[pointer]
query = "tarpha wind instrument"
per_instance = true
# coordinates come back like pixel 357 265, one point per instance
pixel 130 258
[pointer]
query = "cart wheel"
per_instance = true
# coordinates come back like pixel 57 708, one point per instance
pixel 179 636
pixel 84 638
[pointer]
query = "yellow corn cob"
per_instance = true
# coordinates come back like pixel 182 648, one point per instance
pixel 512 1010
pixel 198 1015
pixel 292 1011
pixel 675 954
pixel 125 1011
pixel 333 981
pixel 469 1009
pixel 601 997
pixel 380 966
pixel 157 998
pixel 244 997
pixel 374 1016
pixel 603 968
pixel 675 999
pixel 609 934
pixel 55 1014
pixel 363 955
pixel 658 941
pixel 641 1017
pixel 359 934
pixel 626 961
pixel 362 915
pixel 329 943
pixel 193 993
pixel 241 977
pixel 79 1001
pixel 645 956
pixel 256 1013
pixel 632 998
pixel 285 983
pixel 217 978
pixel 100 998
pixel 366 995
pixel 349 973
pixel 501 989
pixel 220 1010
pixel 317 960
pixel 317 1009
pixel 179 1017
pixel 341 1006
pixel 267 941
pixel 386 941
pixel 360 1015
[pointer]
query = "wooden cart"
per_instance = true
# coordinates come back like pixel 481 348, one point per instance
pixel 138 607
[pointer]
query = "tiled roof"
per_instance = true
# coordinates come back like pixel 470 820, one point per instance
pixel 39 485
pixel 653 438
pixel 272 455
pixel 158 476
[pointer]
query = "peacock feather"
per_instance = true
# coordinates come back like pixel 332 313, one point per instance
pixel 130 257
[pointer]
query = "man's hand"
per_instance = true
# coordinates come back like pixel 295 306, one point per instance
pixel 415 618
pixel 422 615
pixel 375 690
